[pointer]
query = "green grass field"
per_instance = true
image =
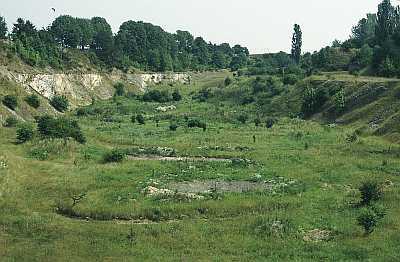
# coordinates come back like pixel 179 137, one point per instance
pixel 313 169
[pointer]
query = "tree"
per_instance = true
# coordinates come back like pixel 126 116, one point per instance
pixel 297 43
pixel 386 21
pixel 103 40
pixel 60 103
pixel 66 31
pixel 200 51
pixel 3 28
pixel 364 31
pixel 86 33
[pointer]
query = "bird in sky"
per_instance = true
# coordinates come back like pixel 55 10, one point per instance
pixel 54 10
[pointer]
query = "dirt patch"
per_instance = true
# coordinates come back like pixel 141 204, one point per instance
pixel 219 186
pixel 176 158
pixel 317 235
pixel 167 193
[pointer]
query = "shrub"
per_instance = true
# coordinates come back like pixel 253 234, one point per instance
pixel 247 99
pixel 11 121
pixel 39 153
pixel 24 133
pixel 60 103
pixel 290 79
pixel 173 127
pixel 368 219
pixel 340 101
pixel 140 119
pixel 114 156
pixel 243 118
pixel 119 89
pixel 313 100
pixel 157 96
pixel 228 81
pixel 352 138
pixel 202 95
pixel 370 191
pixel 270 123
pixel 176 96
pixel 33 101
pixel 133 119
pixel 193 123
pixel 64 128
pixel 10 101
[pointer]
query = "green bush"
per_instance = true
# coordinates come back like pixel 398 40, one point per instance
pixel 41 154
pixel 157 96
pixel 313 100
pixel 140 119
pixel 114 156
pixel 119 89
pixel 24 133
pixel 270 123
pixel 60 103
pixel 369 218
pixel 176 96
pixel 242 118
pixel 11 121
pixel 203 95
pixel 228 81
pixel 290 79
pixel 193 123
pixel 370 191
pixel 10 101
pixel 63 128
pixel 173 127
pixel 33 101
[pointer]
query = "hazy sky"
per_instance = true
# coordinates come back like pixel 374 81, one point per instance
pixel 260 25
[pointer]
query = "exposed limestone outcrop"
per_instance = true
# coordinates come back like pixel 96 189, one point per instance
pixel 143 80
pixel 81 88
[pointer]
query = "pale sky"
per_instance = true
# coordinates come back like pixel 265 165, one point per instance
pixel 261 25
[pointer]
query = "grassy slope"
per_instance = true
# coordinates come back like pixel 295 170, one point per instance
pixel 372 103
pixel 226 229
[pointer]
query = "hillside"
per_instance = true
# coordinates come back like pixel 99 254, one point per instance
pixel 371 104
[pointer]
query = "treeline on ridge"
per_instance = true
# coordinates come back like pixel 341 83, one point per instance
pixel 137 44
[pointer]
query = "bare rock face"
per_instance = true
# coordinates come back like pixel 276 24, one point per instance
pixel 80 88
pixel 144 80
